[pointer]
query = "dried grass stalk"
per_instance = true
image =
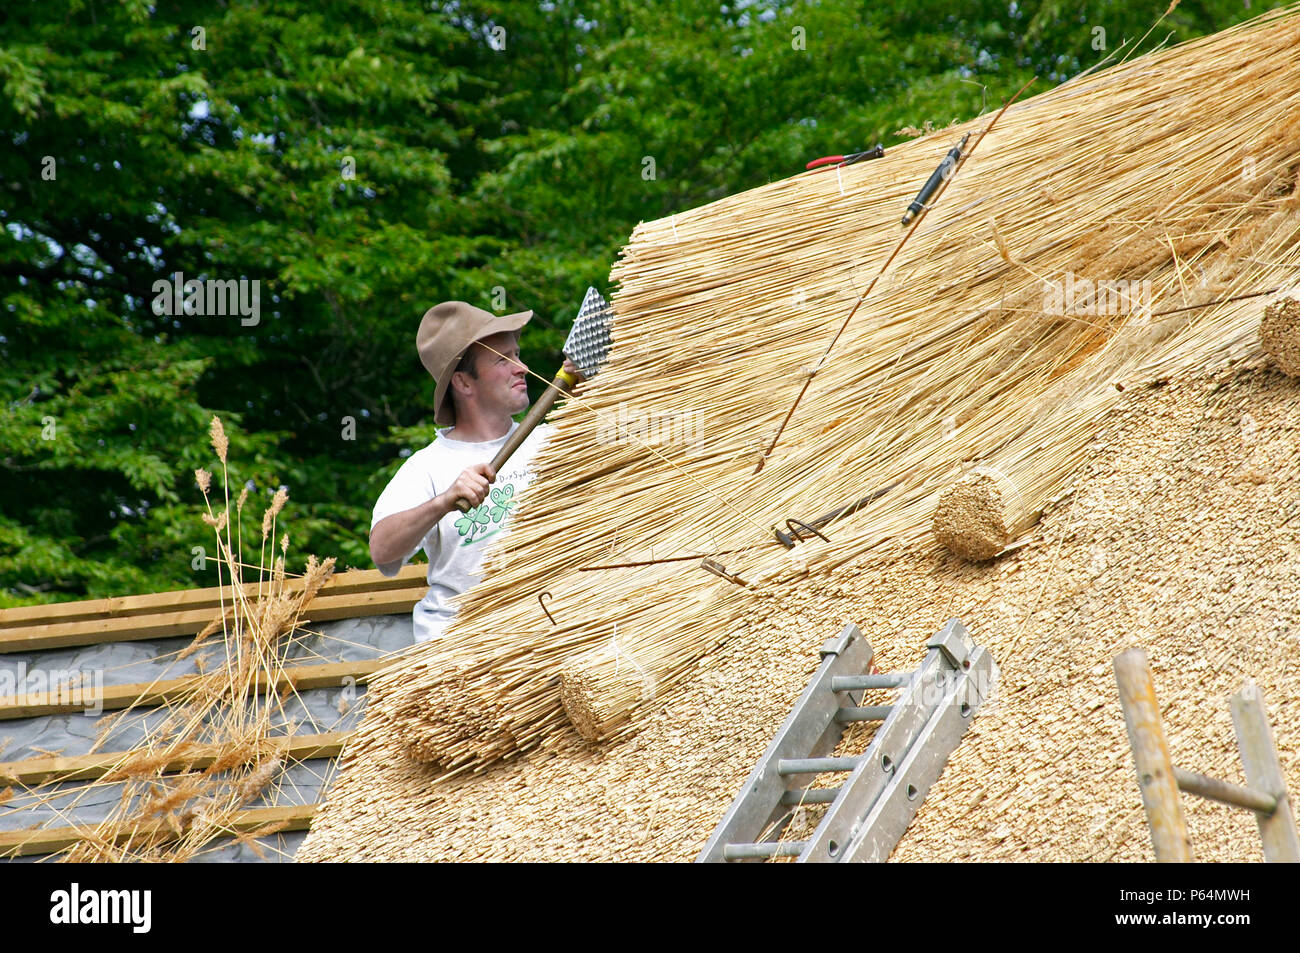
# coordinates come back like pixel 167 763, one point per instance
pixel 227 710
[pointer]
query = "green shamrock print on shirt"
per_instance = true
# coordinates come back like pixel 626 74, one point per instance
pixel 502 502
pixel 474 525
pixel 473 521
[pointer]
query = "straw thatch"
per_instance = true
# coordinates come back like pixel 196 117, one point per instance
pixel 1180 536
pixel 1120 228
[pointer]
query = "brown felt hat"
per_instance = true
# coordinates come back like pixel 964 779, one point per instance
pixel 446 331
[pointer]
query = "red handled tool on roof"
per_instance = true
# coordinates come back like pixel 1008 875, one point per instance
pixel 827 161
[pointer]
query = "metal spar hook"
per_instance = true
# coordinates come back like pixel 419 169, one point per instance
pixel 544 609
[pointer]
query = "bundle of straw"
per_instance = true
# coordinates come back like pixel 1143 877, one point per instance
pixel 599 689
pixel 1173 173
pixel 979 514
pixel 1279 334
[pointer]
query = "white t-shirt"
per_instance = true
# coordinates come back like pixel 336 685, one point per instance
pixel 455 546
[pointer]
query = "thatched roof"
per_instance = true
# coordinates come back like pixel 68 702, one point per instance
pixel 1176 169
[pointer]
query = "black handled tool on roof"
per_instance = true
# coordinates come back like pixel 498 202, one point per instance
pixel 797 528
pixel 937 178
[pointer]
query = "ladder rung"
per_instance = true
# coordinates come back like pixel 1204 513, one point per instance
pixel 1225 792
pixel 869 713
pixel 770 849
pixel 857 683
pixel 815 765
pixel 798 796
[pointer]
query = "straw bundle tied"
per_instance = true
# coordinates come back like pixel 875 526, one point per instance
pixel 600 688
pixel 1279 333
pixel 983 346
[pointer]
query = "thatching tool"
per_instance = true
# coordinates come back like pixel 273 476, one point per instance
pixel 587 346
pixel 541 602
pixel 721 572
pixel 797 528
pixel 914 219
pixel 656 562
pixel 873 153
pixel 940 175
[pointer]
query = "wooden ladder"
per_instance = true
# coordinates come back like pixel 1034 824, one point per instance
pixel 1265 793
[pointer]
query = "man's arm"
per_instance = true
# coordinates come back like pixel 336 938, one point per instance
pixel 394 537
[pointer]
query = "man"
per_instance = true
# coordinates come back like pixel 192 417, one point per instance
pixel 473 356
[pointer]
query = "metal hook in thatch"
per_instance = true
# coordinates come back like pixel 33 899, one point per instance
pixel 796 527
pixel 544 609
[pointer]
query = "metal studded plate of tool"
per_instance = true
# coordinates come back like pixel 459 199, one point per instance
pixel 589 342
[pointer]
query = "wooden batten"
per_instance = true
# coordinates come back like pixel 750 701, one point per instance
pixel 29 843
pixel 160 625
pixel 91 767
pixel 174 690
pixel 165 603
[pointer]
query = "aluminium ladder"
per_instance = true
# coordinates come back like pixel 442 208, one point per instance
pixel 884 787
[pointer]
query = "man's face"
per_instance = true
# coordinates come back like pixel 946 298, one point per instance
pixel 502 383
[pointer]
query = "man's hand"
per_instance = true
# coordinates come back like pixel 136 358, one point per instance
pixel 574 370
pixel 472 485
pixel 393 537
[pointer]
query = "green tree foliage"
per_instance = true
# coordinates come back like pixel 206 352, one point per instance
pixel 362 160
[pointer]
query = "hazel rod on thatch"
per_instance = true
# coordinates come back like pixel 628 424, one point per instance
pixel 916 223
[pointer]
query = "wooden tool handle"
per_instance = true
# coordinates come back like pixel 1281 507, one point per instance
pixel 563 381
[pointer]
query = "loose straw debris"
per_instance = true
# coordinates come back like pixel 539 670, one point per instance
pixel 229 711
